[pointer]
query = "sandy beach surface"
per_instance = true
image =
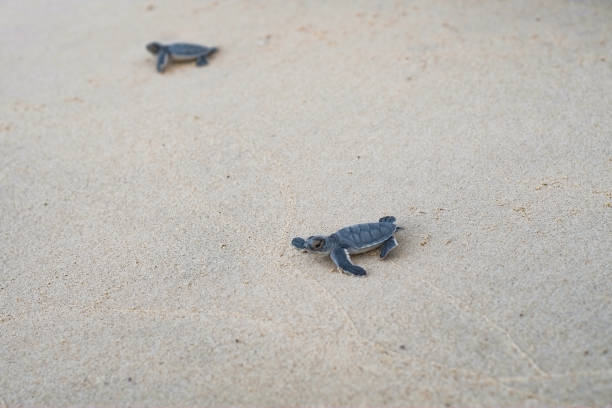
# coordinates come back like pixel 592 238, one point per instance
pixel 146 219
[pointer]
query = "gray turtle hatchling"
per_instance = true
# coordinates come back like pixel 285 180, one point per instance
pixel 180 52
pixel 355 239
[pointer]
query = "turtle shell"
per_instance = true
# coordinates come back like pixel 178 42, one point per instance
pixel 363 237
pixel 187 51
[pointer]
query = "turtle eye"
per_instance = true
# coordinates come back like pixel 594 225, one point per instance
pixel 318 243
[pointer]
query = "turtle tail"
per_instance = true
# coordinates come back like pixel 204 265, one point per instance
pixel 212 51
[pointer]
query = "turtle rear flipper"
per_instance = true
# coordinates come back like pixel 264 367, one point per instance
pixel 203 59
pixel 340 256
pixel 387 247
pixel 163 60
pixel 389 219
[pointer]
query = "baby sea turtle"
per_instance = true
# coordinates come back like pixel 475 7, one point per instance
pixel 355 239
pixel 180 52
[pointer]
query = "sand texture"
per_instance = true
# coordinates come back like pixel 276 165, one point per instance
pixel 146 219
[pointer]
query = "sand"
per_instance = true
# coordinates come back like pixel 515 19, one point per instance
pixel 146 219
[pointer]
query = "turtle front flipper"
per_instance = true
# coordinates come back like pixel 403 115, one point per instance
pixel 299 243
pixel 163 60
pixel 341 258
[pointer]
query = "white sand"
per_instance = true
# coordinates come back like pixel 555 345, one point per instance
pixel 146 218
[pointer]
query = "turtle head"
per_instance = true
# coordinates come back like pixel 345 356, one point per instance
pixel 154 47
pixel 319 244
